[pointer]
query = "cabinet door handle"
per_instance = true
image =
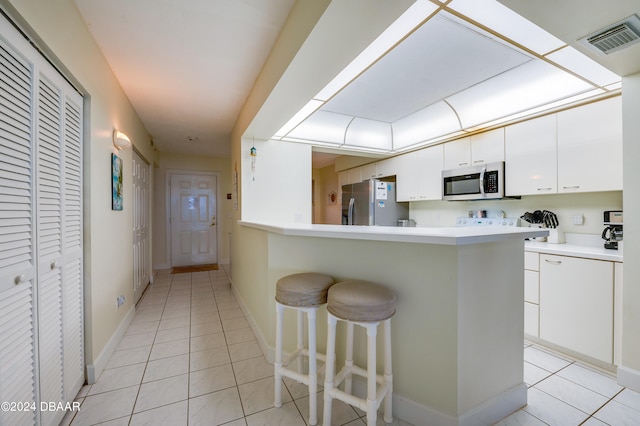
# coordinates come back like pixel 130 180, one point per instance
pixel 571 187
pixel 478 161
pixel 544 189
pixel 20 279
pixel 463 164
pixel 553 262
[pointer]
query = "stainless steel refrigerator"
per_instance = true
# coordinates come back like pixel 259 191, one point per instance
pixel 372 202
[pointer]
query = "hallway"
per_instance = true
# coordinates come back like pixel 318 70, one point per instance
pixel 189 357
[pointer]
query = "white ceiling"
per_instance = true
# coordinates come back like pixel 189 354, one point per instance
pixel 472 65
pixel 187 66
pixel 570 20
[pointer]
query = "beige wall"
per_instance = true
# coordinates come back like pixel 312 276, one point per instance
pixel 108 268
pixel 167 163
pixel 590 205
pixel 280 188
pixel 326 182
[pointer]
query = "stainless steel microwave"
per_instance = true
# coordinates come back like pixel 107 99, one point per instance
pixel 483 182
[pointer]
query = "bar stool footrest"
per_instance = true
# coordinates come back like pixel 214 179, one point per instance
pixel 385 386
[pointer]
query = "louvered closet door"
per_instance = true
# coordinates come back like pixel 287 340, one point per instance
pixel 59 244
pixel 17 268
pixel 72 324
pixel 41 309
pixel 49 226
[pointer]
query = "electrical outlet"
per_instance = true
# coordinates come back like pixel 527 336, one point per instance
pixel 577 219
pixel 119 301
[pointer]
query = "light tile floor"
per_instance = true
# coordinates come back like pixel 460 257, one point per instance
pixel 564 392
pixel 190 358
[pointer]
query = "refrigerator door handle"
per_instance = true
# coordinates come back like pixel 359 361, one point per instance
pixel 352 203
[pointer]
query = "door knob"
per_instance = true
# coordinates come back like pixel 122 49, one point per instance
pixel 213 221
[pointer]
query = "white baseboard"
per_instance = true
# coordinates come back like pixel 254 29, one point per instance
pixel 413 412
pixel 267 351
pixel 488 413
pixel 95 369
pixel 497 408
pixel 629 378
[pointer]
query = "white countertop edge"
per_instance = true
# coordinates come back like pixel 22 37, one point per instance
pixel 436 235
pixel 574 250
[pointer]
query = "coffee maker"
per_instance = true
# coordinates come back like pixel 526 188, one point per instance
pixel 612 232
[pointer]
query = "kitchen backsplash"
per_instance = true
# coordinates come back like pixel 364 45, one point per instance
pixel 565 206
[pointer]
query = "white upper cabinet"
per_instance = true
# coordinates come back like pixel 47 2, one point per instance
pixel 368 171
pixel 386 168
pixel 407 177
pixel 589 138
pixel 457 153
pixel 476 150
pixel 419 174
pixel 531 158
pixel 379 169
pixel 430 166
pixel 354 175
pixel 487 147
pixel 343 178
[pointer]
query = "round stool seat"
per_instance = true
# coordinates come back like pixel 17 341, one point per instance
pixel 304 289
pixel 361 301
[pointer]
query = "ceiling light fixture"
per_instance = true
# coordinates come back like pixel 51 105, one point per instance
pixel 396 32
pixel 120 140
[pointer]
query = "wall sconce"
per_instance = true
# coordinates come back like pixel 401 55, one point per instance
pixel 120 140
pixel 254 153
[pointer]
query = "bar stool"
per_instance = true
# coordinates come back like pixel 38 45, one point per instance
pixel 367 305
pixel 303 292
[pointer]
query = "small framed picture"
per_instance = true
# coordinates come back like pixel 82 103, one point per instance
pixel 116 182
pixel 332 198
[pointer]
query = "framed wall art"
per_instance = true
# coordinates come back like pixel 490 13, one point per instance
pixel 116 182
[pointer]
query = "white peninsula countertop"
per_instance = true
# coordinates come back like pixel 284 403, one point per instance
pixel 458 330
pixel 423 235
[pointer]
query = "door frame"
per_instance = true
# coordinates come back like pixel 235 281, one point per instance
pixel 169 174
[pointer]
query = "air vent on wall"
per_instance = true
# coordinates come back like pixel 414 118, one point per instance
pixel 615 37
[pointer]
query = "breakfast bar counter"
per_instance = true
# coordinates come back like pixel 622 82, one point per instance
pixel 457 334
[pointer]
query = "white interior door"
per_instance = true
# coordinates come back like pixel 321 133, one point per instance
pixel 141 247
pixel 193 219
pixel 41 286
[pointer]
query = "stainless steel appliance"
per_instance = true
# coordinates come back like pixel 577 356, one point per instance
pixel 612 233
pixel 484 182
pixel 372 202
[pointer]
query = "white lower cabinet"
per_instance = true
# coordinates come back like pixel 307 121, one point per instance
pixel 531 294
pixel 617 315
pixel 576 304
